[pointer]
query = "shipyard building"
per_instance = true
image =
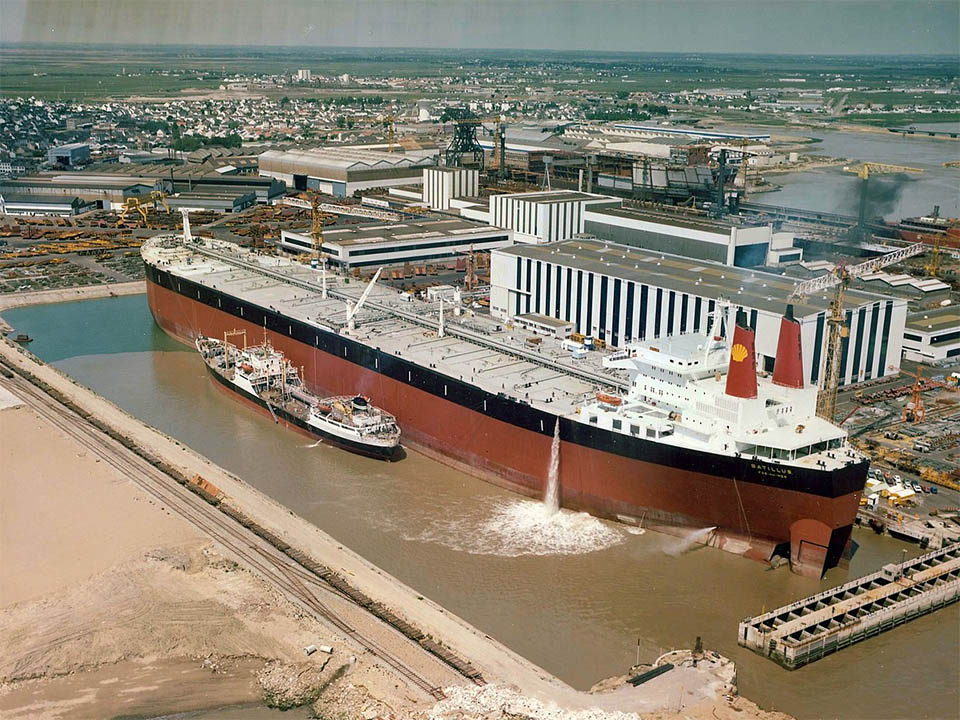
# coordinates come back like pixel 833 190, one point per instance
pixel 542 217
pixel 619 294
pixel 932 336
pixel 414 242
pixel 342 170
pixel 699 237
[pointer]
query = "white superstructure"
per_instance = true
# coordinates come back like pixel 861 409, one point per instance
pixel 679 396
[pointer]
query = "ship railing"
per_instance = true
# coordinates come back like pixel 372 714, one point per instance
pixel 451 328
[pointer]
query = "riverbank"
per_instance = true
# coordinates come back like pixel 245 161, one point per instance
pixel 507 670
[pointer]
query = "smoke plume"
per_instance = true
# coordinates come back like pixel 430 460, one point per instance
pixel 883 195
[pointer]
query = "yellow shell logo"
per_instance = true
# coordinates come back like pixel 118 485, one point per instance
pixel 738 353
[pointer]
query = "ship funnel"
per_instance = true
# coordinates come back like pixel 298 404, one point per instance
pixel 788 366
pixel 742 375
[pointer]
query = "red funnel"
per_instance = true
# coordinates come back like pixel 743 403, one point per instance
pixel 788 367
pixel 742 375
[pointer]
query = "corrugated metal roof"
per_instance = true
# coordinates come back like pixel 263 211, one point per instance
pixel 749 288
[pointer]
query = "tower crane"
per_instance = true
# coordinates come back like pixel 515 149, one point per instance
pixel 389 121
pixel 865 171
pixel 839 279
pixel 318 216
pixel 933 267
pixel 913 411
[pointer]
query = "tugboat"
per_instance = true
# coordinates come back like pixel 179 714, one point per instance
pixel 23 339
pixel 263 375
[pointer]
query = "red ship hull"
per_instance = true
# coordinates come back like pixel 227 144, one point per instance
pixel 751 518
pixel 950 238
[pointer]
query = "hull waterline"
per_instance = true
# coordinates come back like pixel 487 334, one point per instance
pixel 757 508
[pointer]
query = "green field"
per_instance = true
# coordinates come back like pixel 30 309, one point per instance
pixel 87 73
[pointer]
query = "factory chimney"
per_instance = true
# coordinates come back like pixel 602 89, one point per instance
pixel 742 375
pixel 788 366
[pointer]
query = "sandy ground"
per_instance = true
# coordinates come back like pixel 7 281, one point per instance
pixel 95 576
pixel 111 604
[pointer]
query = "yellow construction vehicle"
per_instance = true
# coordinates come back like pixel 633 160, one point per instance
pixel 839 279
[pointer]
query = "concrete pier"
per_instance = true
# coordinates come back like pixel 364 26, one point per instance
pixel 808 629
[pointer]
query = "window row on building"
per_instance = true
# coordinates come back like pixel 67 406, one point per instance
pixel 620 311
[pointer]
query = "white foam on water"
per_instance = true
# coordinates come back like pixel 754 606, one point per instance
pixel 311 446
pixel 522 527
pixel 517 528
pixel 694 537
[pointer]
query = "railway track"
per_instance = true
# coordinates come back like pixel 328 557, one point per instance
pixel 276 567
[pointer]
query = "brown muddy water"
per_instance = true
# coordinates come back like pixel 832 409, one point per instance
pixel 571 593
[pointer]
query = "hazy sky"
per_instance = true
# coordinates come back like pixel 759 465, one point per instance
pixel 766 26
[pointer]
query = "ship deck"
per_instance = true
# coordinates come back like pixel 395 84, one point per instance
pixel 475 347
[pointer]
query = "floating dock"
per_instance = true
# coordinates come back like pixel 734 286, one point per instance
pixel 808 629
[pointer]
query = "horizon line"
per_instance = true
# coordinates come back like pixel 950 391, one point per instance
pixel 65 44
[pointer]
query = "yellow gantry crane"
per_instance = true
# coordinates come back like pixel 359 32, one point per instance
pixel 867 170
pixel 839 280
pixel 140 206
pixel 133 204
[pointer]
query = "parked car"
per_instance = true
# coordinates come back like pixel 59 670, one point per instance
pixel 933 489
pixel 917 488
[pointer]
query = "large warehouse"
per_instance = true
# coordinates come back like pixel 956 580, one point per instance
pixel 701 238
pixel 619 294
pixel 342 170
pixel 413 242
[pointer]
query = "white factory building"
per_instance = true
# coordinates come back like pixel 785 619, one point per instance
pixel 704 238
pixel 342 170
pixel 932 336
pixel 443 184
pixel 397 243
pixel 620 294
pixel 548 216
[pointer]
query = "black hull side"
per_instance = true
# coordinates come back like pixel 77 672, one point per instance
pixel 770 474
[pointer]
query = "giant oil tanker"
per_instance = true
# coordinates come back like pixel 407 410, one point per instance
pixel 681 432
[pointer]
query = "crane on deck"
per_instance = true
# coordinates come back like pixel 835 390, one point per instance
pixel 352 310
pixel 839 280
pixel 865 171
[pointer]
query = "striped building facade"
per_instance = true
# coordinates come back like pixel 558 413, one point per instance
pixel 440 185
pixel 541 217
pixel 620 311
